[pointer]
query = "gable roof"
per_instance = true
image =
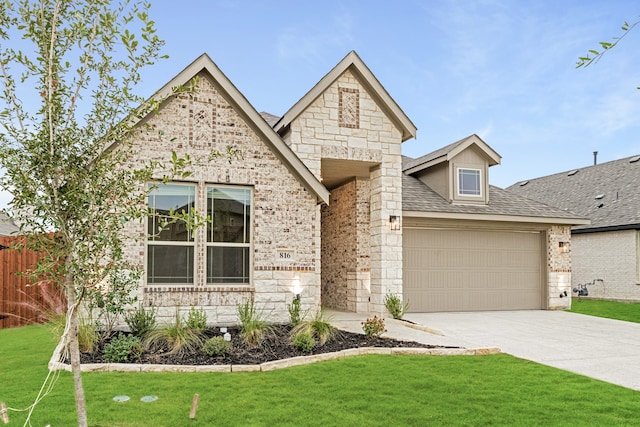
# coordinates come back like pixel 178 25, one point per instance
pixel 449 152
pixel 252 117
pixel 353 63
pixel 607 193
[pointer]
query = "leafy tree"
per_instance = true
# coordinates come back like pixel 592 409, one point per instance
pixel 67 105
pixel 594 55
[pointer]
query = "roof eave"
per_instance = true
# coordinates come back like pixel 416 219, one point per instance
pixel 496 217
pixel 606 228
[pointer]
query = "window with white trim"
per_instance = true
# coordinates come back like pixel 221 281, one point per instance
pixel 170 244
pixel 469 182
pixel 228 234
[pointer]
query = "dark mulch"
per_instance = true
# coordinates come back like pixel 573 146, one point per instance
pixel 276 346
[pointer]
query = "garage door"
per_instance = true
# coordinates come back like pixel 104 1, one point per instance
pixel 471 270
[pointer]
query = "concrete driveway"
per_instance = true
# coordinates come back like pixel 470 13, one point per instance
pixel 605 349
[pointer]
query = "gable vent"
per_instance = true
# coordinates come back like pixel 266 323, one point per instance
pixel 523 183
pixel 634 159
pixel 573 172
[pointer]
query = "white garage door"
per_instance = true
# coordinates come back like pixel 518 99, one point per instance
pixel 471 270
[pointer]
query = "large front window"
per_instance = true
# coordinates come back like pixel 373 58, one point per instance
pixel 225 240
pixel 170 249
pixel 228 234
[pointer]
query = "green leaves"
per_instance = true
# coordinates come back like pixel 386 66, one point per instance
pixel 594 56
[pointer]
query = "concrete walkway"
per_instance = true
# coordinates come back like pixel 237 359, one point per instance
pixel 605 349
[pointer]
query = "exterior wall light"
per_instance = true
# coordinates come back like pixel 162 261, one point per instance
pixel 297 288
pixel 563 247
pixel 394 222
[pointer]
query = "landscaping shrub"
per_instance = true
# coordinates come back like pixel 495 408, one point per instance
pixel 319 327
pixel 110 300
pixel 177 336
pixel 393 303
pixel 197 319
pixel 304 341
pixel 122 349
pixel 294 312
pixel 373 328
pixel 216 346
pixel 88 335
pixel 253 326
pixel 141 321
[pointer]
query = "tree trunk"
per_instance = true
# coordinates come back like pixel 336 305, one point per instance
pixel 74 353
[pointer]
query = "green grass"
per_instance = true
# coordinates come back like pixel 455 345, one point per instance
pixel 626 311
pixel 358 391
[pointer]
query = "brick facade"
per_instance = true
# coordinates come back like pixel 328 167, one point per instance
pixel 324 131
pixel 346 243
pixel 285 216
pixel 344 255
pixel 612 256
pixel 559 267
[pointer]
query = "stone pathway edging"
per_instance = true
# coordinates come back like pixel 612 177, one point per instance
pixel 415 326
pixel 273 365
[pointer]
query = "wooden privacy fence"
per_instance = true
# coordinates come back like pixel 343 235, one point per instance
pixel 21 304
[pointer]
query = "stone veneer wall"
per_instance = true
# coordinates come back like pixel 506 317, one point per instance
pixel 611 256
pixel 285 216
pixel 325 130
pixel 559 268
pixel 346 248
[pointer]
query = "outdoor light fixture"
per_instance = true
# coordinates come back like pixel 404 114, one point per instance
pixel 297 288
pixel 563 247
pixel 394 222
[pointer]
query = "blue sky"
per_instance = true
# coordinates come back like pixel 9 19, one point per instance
pixel 504 70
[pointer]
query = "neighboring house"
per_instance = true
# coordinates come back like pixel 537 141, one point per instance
pixel 321 203
pixel 7 226
pixel 606 253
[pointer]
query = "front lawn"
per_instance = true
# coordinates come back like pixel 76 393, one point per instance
pixel 358 391
pixel 626 311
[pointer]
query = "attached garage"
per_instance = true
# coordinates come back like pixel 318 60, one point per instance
pixel 450 269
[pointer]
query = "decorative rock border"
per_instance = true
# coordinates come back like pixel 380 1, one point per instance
pixel 273 365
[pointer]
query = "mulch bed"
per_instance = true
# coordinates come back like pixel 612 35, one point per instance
pixel 276 346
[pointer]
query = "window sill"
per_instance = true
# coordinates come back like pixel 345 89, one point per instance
pixel 171 287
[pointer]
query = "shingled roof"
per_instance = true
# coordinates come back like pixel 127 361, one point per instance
pixel 418 197
pixel 607 193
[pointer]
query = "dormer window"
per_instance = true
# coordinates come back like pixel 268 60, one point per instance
pixel 469 182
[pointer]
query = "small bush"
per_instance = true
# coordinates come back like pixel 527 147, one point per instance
pixel 294 312
pixel 177 336
pixel 197 319
pixel 393 303
pixel 141 321
pixel 88 335
pixel 253 326
pixel 373 328
pixel 216 346
pixel 304 341
pixel 319 327
pixel 123 348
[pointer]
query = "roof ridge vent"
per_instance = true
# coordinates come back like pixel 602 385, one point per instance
pixel 634 159
pixel 573 172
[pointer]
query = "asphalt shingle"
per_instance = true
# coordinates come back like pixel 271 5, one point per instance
pixel 607 193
